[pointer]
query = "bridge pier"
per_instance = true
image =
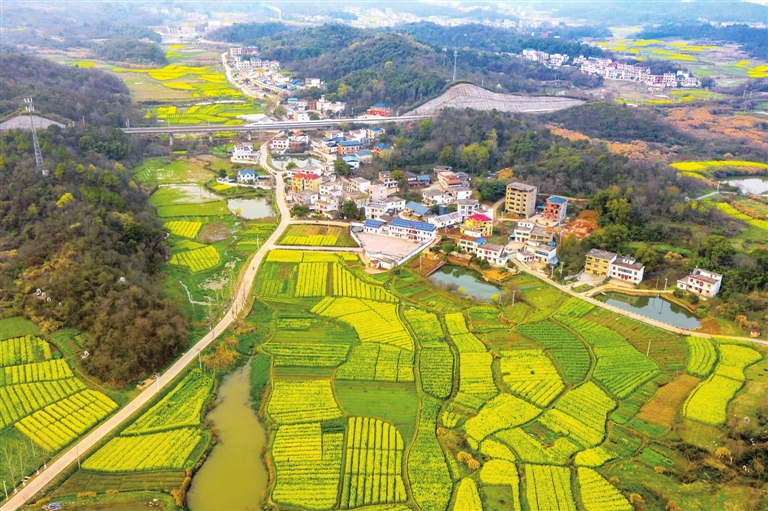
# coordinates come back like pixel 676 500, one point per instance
pixel 210 138
pixel 170 139
pixel 249 135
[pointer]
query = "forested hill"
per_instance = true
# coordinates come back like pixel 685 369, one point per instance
pixel 79 232
pixel 248 32
pixel 66 93
pixel 129 50
pixel 493 39
pixel 365 67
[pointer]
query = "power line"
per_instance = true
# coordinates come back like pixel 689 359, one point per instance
pixel 38 154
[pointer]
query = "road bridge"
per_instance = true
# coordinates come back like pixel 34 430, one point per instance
pixel 267 126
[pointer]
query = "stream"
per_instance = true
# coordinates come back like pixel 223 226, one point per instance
pixel 233 477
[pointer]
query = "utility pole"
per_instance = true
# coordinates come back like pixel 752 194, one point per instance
pixel 665 283
pixel 199 360
pixel 514 291
pixel 455 57
pixel 38 154
pixel 445 54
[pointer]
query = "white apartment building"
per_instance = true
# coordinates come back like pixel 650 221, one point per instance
pixel 626 268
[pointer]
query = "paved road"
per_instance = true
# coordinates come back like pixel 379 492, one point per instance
pixel 71 456
pixel 637 317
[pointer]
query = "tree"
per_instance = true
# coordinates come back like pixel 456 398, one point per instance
pixel 445 156
pixel 341 167
pixel 399 175
pixel 350 210
pixel 222 173
pixel 314 117
pixel 619 211
pixel 299 211
pixel 647 257
pixel 447 247
pixel 291 165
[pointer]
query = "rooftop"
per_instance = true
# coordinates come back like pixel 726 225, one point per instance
pixel 373 223
pixel 417 208
pixel 601 254
pixel 479 217
pixel 349 143
pixel 521 187
pixel 557 200
pixel 409 224
pixel 302 175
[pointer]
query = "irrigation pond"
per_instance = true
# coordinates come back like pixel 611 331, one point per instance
pixel 652 307
pixel 233 476
pixel 756 185
pixel 468 281
pixel 250 209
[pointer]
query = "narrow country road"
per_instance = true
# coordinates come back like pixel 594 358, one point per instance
pixel 39 482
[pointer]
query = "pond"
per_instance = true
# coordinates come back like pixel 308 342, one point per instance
pixel 182 194
pixel 250 209
pixel 756 185
pixel 468 280
pixel 652 307
pixel 233 477
pixel 280 162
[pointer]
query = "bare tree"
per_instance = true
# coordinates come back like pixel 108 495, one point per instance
pixel 7 452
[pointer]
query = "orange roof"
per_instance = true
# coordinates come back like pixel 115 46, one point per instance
pixel 479 217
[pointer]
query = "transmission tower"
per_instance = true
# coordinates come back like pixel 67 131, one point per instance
pixel 38 153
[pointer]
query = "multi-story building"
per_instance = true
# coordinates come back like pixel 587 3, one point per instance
pixel 702 282
pixel 478 224
pixel 520 200
pixel 244 150
pixel 375 210
pixel 627 268
pixel 358 184
pixel 494 254
pixel 377 192
pixel 523 230
pixel 278 144
pixel 306 182
pixel 541 235
pixel 448 178
pixel 433 196
pixel 386 179
pixel 555 209
pixel 346 147
pixel 379 109
pixel 246 176
pixel 421 232
pixel 467 207
pixel 460 192
pixel 537 252
pixel 599 262
pixel 394 202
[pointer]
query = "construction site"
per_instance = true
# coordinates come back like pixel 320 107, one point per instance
pixel 466 95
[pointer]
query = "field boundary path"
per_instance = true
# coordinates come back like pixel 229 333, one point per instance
pixel 633 315
pixel 71 456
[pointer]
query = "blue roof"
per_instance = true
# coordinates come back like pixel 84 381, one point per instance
pixel 557 200
pixel 249 172
pixel 375 128
pixel 382 146
pixel 373 223
pixel 417 208
pixel 381 105
pixel 408 224
pixel 348 143
pixel 364 152
pixel 350 158
pixel 424 177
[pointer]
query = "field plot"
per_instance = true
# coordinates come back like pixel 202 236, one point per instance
pixel 198 259
pixel 378 362
pixel 427 470
pixel 374 321
pixel 23 350
pixel 485 318
pixel 373 467
pixel 476 384
pixel 184 228
pixel 702 356
pixel 156 451
pixel 58 424
pixel 548 488
pixel 502 473
pixel 597 494
pixel 297 401
pixel 35 372
pixel 308 464
pixel 317 235
pixel 467 496
pixel 157 171
pixel 665 405
pixel 530 374
pixel 502 412
pixel 581 415
pixel 16 327
pixel 568 351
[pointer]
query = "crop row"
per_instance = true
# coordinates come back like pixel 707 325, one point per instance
pixel 184 228
pixel 17 401
pixel 467 496
pixel 531 375
pixel 58 424
pixel 378 362
pixel 496 450
pixel 312 240
pixel 581 413
pixel 197 260
pixel 374 460
pixel 296 401
pixel 23 350
pixel 428 473
pixel 734 359
pixel 597 494
pixel 709 400
pixel 620 367
pixel 180 407
pixel 503 473
pixel 594 457
pixel 575 307
pixel 373 321
pixel 548 488
pixel 568 351
pixel 701 355
pixel 502 412
pixel 436 370
pixel 38 371
pixel 485 318
pixel 346 284
pixel 426 327
pixel 307 465
pixel 312 279
pixel 476 383
pixel 465 341
pixel 307 354
pixel 156 451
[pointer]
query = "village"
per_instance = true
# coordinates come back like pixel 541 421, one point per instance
pixel 523 230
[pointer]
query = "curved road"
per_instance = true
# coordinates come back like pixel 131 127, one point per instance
pixel 68 458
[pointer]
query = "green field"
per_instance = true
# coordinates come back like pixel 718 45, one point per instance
pixel 317 235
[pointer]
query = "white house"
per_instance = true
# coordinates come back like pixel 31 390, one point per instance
pixel 377 193
pixel 302 116
pixel 523 230
pixel 386 178
pixel 467 207
pixel 460 192
pixel 433 196
pixel 494 254
pixel 421 232
pixel 246 176
pixel 626 268
pixel 375 210
pixel 278 144
pixel 447 220
pixel 359 184
pixel 244 151
pixel 702 282
pixel 395 202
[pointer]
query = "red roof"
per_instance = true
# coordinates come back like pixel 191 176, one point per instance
pixel 479 217
pixel 306 176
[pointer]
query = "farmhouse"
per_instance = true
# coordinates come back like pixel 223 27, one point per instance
pixel 627 268
pixel 702 282
pixel 555 209
pixel 446 220
pixel 421 232
pixel 379 109
pixel 478 246
pixel 478 224
pixel 467 207
pixel 537 252
pixel 305 182
pixel 246 176
pixel 599 262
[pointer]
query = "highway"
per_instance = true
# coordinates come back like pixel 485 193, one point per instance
pixel 267 126
pixel 71 456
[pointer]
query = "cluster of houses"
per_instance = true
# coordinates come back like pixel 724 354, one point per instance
pixel 302 109
pixel 553 60
pixel 612 70
pixel 355 147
